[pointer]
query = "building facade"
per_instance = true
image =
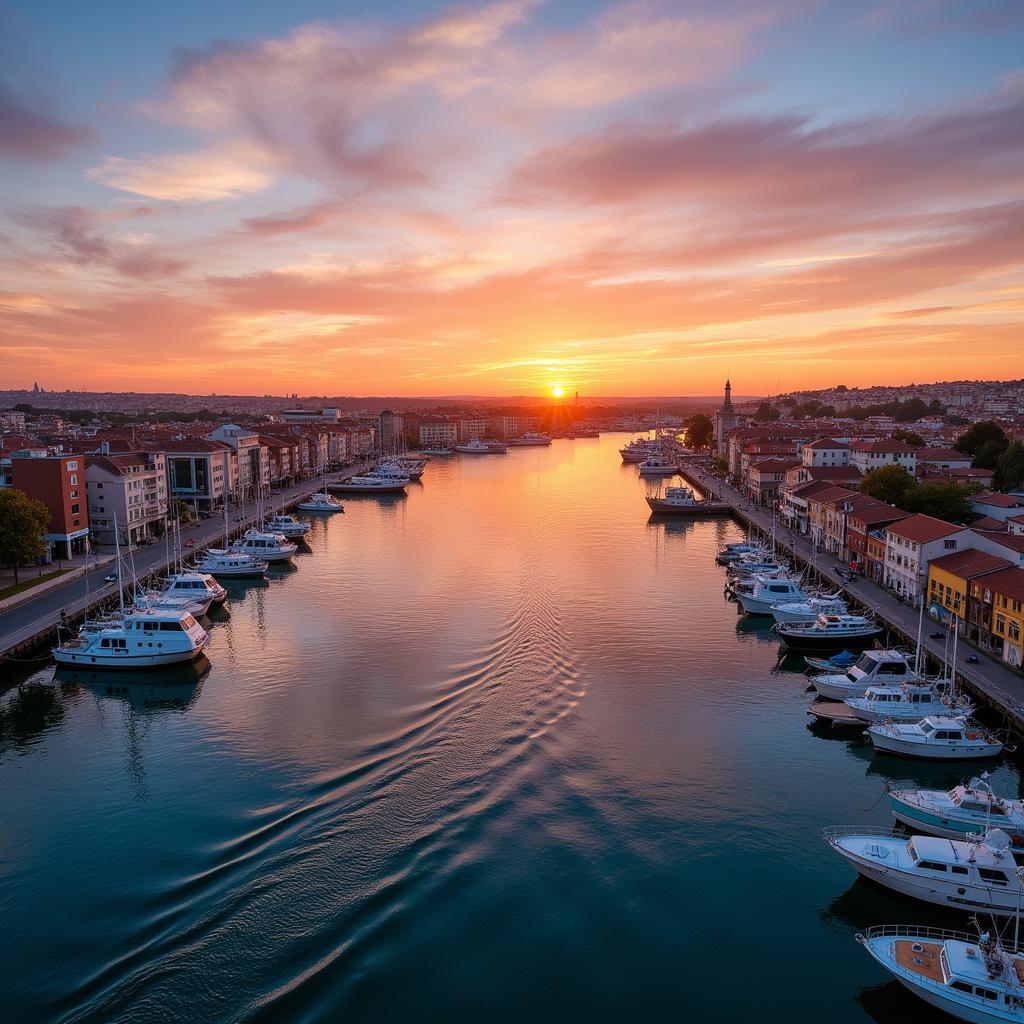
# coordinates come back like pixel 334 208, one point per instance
pixel 129 490
pixel 58 481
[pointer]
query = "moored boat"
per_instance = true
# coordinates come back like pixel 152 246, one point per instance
pixel 231 565
pixel 287 525
pixel 320 502
pixel 531 439
pixel 874 667
pixel 906 702
pixel 757 595
pixel 681 501
pixel 935 738
pixel 480 447
pixel 266 546
pixel 830 632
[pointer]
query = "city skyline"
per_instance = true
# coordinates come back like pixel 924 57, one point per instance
pixel 626 200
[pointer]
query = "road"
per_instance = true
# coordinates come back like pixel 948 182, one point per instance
pixel 998 682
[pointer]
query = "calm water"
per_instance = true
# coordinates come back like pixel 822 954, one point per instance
pixel 497 751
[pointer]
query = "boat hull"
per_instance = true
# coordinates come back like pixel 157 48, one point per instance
pixel 920 820
pixel 794 641
pixel 919 751
pixel 126 661
pixel 343 488
pixel 661 507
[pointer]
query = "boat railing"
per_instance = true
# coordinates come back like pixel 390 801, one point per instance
pixel 833 832
pixel 911 931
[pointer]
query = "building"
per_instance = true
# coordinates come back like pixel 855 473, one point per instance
pixel 765 477
pixel 470 430
pixel 1007 590
pixel 252 461
pixel 865 524
pixel 949 591
pixel 818 510
pixel 826 451
pixel 129 489
pixel 942 458
pixel 201 472
pixel 998 505
pixel 911 544
pixel 58 481
pixel 391 431
pixel 726 419
pixel 869 455
pixel 438 433
pixel 310 416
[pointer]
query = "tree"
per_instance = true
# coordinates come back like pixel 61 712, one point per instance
pixel 948 501
pixel 765 412
pixel 910 410
pixel 981 434
pixel 989 454
pixel 1010 466
pixel 888 483
pixel 23 521
pixel 721 466
pixel 909 437
pixel 699 430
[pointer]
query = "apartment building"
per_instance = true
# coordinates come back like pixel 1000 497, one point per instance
pixel 129 489
pixel 200 472
pixel 911 544
pixel 869 455
pixel 58 481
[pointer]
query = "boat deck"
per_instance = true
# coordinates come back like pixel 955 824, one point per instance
pixel 923 960
pixel 836 713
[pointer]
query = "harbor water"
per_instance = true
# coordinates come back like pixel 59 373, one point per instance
pixel 499 750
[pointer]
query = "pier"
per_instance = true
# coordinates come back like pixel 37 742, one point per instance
pixel 993 683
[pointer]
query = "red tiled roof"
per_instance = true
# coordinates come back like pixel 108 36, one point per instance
pixel 998 500
pixel 941 455
pixel 194 444
pixel 1007 581
pixel 826 442
pixel 851 473
pixel 1010 541
pixel 895 447
pixel 972 472
pixel 831 494
pixel 876 515
pixel 116 464
pixel 810 488
pixel 921 529
pixel 988 523
pixel 969 563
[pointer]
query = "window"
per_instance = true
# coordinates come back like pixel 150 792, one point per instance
pixel 931 865
pixel 993 876
pixel 75 509
pixel 949 545
pixel 957 870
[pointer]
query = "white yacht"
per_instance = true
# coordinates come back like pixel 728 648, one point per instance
pixel 971 979
pixel 392 470
pixel 195 584
pixel 906 702
pixel 231 565
pixel 412 467
pixel 288 526
pixel 959 812
pixel 438 452
pixel 681 501
pixel 734 552
pixel 871 668
pixel 531 439
pixel 142 639
pixel 371 484
pixel 657 465
pixel 321 502
pixel 639 450
pixel 197 605
pixel 479 447
pixel 807 611
pixel 977 875
pixel 935 738
pixel 268 547
pixel 757 595
pixel 745 568
pixel 829 632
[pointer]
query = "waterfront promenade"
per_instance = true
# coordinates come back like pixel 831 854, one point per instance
pixel 993 682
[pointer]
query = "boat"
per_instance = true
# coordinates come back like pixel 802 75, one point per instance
pixel 370 484
pixel 320 502
pixel 150 638
pixel 959 812
pixel 681 501
pixel 531 439
pixel 639 450
pixel 972 979
pixel 231 565
pixel 439 452
pixel 746 569
pixel 807 611
pixel 411 467
pixel 479 447
pixel 395 470
pixel 288 526
pixel 195 584
pixel 828 632
pixel 197 605
pixel 871 668
pixel 906 702
pixel 977 875
pixel 935 738
pixel 266 546
pixel 756 596
pixel 734 552
pixel 842 660
pixel 658 465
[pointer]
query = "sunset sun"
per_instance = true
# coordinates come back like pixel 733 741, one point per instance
pixel 558 391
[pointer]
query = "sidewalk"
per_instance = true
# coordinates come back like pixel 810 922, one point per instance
pixel 80 566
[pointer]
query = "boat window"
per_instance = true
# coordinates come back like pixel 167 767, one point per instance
pixel 962 986
pixel 954 797
pixel 998 809
pixel 865 663
pixel 931 865
pixel 957 870
pixel 170 627
pixel 986 993
pixel 911 849
pixel 993 876
pixel 104 642
pixel 188 622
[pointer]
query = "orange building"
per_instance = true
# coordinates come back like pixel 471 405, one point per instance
pixel 58 481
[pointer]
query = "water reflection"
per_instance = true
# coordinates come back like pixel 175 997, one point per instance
pixel 174 688
pixel 29 710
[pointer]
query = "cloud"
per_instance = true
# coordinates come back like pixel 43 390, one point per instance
pixel 28 131
pixel 291 221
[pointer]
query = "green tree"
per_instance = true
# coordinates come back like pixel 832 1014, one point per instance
pixel 909 437
pixel 889 484
pixel 23 521
pixel 981 434
pixel 989 454
pixel 910 410
pixel 765 412
pixel 948 501
pixel 956 421
pixel 699 430
pixel 1010 466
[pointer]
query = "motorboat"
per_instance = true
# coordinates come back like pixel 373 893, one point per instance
pixel 411 467
pixel 531 439
pixel 935 738
pixel 438 452
pixel 874 667
pixel 264 545
pixel 197 605
pixel 838 662
pixel 906 702
pixel 807 611
pixel 480 447
pixel 973 979
pixel 320 502
pixel 828 632
pixel 149 638
pixel 959 812
pixel 498 447
pixel 639 450
pixel 658 465
pixel 745 568
pixel 756 596
pixel 681 501
pixel 734 552
pixel 977 876
pixel 195 584
pixel 288 526
pixel 371 484
pixel 394 470
pixel 231 565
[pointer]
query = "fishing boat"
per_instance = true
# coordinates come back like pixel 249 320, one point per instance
pixel 757 595
pixel 977 876
pixel 681 501
pixel 935 738
pixel 960 811
pixel 829 632
pixel 807 611
pixel 972 979
pixel 875 667
pixel 320 502
pixel 150 638
pixel 287 525
pixel 531 439
pixel 267 546
pixel 906 702
pixel 371 484
pixel 842 660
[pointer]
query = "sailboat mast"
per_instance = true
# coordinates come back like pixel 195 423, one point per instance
pixel 117 553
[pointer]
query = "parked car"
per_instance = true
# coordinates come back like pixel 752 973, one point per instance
pixel 111 577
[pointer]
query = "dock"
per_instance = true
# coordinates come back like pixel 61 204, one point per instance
pixel 836 714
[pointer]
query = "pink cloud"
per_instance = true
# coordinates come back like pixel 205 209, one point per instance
pixel 28 131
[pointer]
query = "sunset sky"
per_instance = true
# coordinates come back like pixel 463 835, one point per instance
pixel 414 199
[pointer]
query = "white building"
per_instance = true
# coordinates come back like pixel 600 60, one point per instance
pixel 912 543
pixel 129 488
pixel 869 455
pixel 251 459
pixel 470 430
pixel 826 451
pixel 438 433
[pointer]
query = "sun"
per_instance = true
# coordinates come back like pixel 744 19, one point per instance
pixel 558 391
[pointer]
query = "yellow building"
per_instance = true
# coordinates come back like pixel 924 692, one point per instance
pixel 949 580
pixel 1007 588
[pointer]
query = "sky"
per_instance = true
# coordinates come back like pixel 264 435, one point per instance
pixel 635 198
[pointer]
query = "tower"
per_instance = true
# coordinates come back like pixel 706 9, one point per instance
pixel 726 419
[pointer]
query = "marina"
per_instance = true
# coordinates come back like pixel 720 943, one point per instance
pixel 536 761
